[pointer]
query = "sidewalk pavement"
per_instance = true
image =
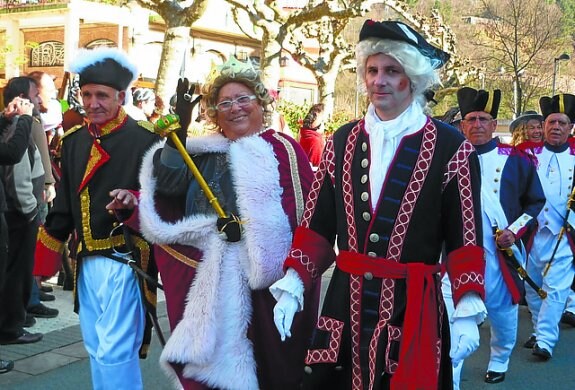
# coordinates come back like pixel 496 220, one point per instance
pixel 61 345
pixel 60 361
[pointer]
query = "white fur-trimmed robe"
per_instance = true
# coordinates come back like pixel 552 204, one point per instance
pixel 211 339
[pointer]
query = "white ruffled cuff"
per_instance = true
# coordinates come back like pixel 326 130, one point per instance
pixel 470 305
pixel 292 284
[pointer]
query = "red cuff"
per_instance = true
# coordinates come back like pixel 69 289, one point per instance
pixel 48 255
pixel 310 255
pixel 466 269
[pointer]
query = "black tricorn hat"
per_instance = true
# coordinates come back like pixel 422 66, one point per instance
pixel 471 100
pixel 398 31
pixel 563 103
pixel 523 118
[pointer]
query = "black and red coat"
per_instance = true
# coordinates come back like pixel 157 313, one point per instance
pixel 430 200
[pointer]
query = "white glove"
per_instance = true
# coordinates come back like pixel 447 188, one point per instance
pixel 50 192
pixel 284 311
pixel 465 339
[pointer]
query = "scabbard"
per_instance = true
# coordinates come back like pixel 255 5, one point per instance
pixel 510 257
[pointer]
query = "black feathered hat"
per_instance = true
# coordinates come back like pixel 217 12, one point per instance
pixel 563 103
pixel 398 31
pixel 105 66
pixel 471 100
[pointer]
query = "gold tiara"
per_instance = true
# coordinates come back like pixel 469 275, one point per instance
pixel 233 68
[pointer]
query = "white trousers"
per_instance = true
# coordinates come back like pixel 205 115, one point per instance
pixel 502 314
pixel 546 313
pixel 112 319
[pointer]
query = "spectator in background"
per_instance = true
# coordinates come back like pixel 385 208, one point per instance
pixel 24 186
pixel 527 127
pixel 11 152
pixel 144 104
pixel 311 134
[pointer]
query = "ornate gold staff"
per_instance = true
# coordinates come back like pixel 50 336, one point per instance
pixel 166 126
pixel 230 225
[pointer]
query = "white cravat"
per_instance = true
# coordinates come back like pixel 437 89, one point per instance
pixel 384 137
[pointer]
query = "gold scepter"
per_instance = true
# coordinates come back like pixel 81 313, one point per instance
pixel 562 231
pixel 166 126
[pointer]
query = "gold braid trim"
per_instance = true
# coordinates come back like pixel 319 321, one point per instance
pixel 180 257
pixel 144 249
pixel 299 199
pixel 114 123
pixel 93 244
pixel 50 242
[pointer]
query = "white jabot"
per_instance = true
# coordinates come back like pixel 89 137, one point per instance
pixel 384 137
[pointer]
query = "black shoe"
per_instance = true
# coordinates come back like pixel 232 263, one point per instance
pixel 46 288
pixel 568 318
pixel 541 353
pixel 42 311
pixel 530 343
pixel 6 365
pixel 29 321
pixel 45 297
pixel 494 377
pixel 24 338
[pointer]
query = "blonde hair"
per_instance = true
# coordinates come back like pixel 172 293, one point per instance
pixel 418 68
pixel 248 77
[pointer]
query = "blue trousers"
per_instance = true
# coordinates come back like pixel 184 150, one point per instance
pixel 112 319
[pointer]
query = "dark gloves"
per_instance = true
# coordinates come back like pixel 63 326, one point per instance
pixel 184 107
pixel 231 227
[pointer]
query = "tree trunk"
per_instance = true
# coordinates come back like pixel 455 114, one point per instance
pixel 175 47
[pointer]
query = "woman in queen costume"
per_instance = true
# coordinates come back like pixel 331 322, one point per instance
pixel 219 307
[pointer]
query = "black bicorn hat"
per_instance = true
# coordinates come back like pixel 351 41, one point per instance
pixel 563 103
pixel 105 66
pixel 429 96
pixel 471 100
pixel 398 31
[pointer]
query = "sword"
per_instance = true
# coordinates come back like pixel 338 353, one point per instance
pixel 508 254
pixel 140 272
pixel 562 231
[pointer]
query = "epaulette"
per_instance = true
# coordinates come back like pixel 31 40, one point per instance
pixel 147 125
pixel 71 130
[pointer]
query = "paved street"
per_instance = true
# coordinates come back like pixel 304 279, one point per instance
pixel 60 362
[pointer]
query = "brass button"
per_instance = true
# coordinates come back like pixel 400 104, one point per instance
pixel 307 370
pixel 368 276
pixel 364 163
pixel 85 214
pixel 98 140
pixel 90 248
pixel 364 196
pixel 371 254
pixel 86 228
pixel 366 216
pixel 84 197
pixel 364 146
pixel 363 179
pixel 373 237
pixel 115 224
pixel 111 212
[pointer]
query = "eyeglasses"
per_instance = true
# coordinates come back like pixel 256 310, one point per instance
pixel 241 101
pixel 482 120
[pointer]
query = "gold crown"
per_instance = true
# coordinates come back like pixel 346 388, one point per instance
pixel 233 68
